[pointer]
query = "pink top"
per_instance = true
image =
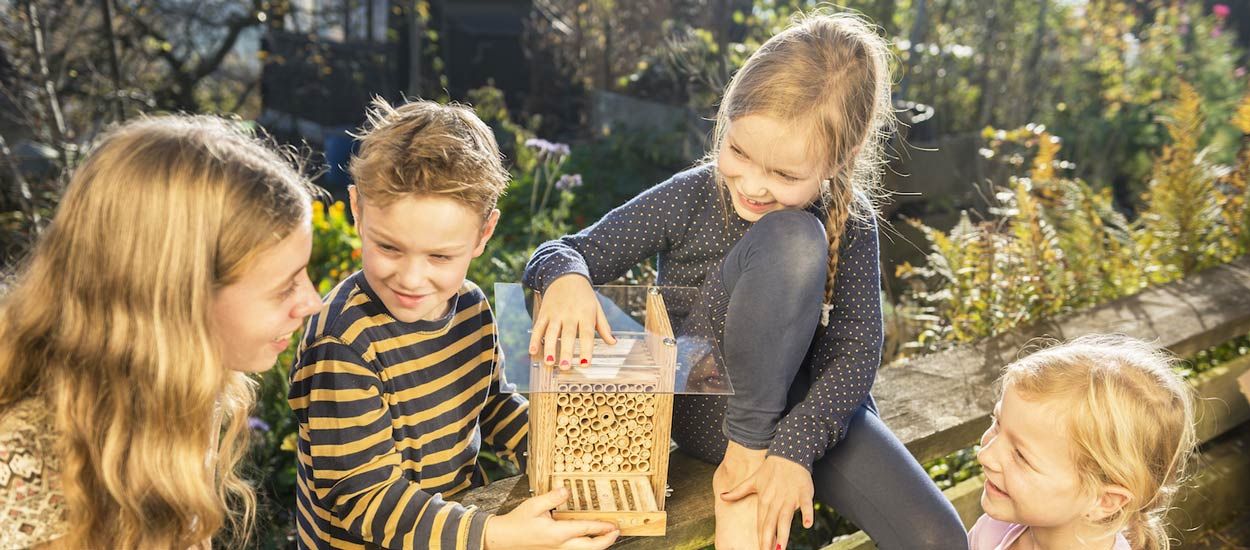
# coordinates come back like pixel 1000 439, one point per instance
pixel 991 534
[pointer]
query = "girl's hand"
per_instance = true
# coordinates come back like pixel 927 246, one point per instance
pixel 783 487
pixel 530 525
pixel 570 310
pixel 736 527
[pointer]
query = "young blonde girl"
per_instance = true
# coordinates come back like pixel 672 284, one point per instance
pixel 174 265
pixel 1088 443
pixel 777 229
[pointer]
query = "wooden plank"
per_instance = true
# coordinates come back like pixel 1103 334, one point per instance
pixel 632 524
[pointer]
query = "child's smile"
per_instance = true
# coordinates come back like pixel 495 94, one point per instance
pixel 416 251
pixel 767 167
pixel 1030 476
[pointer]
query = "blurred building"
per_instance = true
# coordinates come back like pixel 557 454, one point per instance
pixel 324 63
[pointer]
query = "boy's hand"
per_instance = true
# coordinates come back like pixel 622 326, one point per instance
pixel 782 487
pixel 570 310
pixel 530 525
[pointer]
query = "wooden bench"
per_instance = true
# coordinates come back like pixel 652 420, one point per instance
pixel 940 403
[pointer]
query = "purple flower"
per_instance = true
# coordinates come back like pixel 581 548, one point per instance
pixel 257 424
pixel 546 148
pixel 569 181
pixel 1221 10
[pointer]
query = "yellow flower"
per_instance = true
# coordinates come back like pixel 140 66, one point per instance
pixel 288 444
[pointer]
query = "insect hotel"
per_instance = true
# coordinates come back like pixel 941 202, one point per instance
pixel 602 430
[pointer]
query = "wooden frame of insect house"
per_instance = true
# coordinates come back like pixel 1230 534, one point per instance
pixel 602 430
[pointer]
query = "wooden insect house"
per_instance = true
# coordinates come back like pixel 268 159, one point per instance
pixel 602 430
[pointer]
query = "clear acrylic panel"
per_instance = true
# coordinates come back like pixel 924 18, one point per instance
pixel 655 350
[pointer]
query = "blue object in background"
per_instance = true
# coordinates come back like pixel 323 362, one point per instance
pixel 339 147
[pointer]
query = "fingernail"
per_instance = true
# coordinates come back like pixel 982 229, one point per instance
pixel 778 546
pixel 564 363
pixel 585 361
pixel 551 358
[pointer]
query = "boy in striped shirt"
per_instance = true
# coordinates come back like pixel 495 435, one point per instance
pixel 399 380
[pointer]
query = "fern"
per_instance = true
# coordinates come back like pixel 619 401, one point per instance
pixel 1182 225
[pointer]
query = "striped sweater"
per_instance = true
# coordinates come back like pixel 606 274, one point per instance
pixel 391 418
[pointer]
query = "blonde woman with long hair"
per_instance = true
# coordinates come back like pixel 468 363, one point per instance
pixel 174 266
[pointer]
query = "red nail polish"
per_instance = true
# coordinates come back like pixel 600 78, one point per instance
pixel 551 358
pixel 778 546
pixel 585 361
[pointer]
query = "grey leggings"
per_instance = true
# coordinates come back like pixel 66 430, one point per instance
pixel 775 279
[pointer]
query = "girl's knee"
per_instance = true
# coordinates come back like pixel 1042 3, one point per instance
pixel 790 241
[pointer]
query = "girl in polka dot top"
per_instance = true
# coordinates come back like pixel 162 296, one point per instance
pixel 776 227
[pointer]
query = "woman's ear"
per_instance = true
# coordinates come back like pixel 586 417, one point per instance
pixel 1109 500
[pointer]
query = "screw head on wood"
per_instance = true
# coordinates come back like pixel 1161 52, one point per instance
pixel 670 342
pixel 653 290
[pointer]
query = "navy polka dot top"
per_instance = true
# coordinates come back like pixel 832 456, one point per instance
pixel 683 222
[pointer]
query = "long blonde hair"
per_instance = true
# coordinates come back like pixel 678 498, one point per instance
pixel 109 326
pixel 828 74
pixel 1130 418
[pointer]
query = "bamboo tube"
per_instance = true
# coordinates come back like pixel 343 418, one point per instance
pixel 573 431
pixel 619 409
pixel 646 444
pixel 584 422
pixel 600 399
pixel 612 451
pixel 575 452
pixel 562 430
pixel 609 388
pixel 562 420
pixel 622 442
pixel 600 449
pixel 596 424
pixel 559 467
pixel 562 399
pixel 644 454
pixel 560 441
pixel 618 459
pixel 627 467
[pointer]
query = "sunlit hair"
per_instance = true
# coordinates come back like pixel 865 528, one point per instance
pixel 109 326
pixel 424 148
pixel 1130 418
pixel 827 76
